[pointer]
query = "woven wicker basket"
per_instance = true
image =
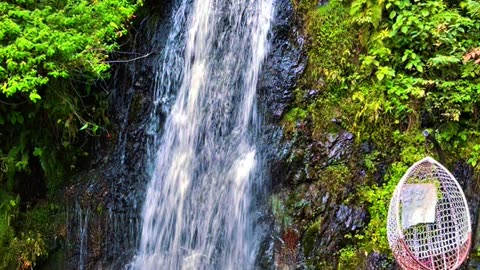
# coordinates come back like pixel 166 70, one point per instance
pixel 435 234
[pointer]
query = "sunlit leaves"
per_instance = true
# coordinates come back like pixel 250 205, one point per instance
pixel 34 96
pixel 385 72
pixel 441 61
pixel 473 8
pixel 72 39
pixel 423 56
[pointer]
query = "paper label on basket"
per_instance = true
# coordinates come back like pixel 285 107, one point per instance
pixel 418 204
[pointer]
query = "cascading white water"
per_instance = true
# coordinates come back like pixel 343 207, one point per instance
pixel 83 235
pixel 198 207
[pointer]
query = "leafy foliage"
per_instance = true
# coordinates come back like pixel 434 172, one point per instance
pixel 57 39
pixel 333 49
pixel 52 53
pixel 420 71
pixel 423 58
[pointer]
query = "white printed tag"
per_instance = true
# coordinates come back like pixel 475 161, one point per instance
pixel 418 204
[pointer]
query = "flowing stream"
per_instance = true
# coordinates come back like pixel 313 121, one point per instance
pixel 199 210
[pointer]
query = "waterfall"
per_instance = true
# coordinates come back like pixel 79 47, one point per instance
pixel 199 211
pixel 83 235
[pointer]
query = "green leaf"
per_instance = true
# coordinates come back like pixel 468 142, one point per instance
pixel 20 119
pixel 37 151
pixel 34 96
pixel 419 67
pixel 442 60
pixel 473 161
pixel 392 14
pixel 380 75
pixel 84 126
pixel 114 25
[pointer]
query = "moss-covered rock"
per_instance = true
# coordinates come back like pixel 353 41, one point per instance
pixel 349 146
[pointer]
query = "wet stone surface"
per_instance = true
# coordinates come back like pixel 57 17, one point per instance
pixel 104 202
pixel 283 65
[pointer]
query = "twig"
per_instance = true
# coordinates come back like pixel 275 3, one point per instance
pixel 130 60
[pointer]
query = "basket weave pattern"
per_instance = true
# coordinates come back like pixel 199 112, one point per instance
pixel 441 245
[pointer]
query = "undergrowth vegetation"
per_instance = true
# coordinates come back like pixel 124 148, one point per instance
pixel 385 71
pixel 52 52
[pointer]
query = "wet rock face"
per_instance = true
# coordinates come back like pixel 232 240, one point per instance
pixel 338 145
pixel 334 183
pixel 282 68
pixel 351 217
pixel 104 203
pixel 283 65
pixel 377 261
pixel 317 181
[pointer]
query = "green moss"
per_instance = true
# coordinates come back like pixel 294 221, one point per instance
pixel 47 220
pixel 323 111
pixel 8 214
pixel 310 236
pixel 100 208
pixel 350 258
pixel 294 116
pixel 322 265
pixel 280 212
pixel 335 176
pixel 377 197
pixel 332 54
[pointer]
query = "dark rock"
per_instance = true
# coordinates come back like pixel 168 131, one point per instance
pixel 366 147
pixel 331 139
pixel 266 261
pixel 283 65
pixel 103 202
pixel 322 3
pixel 351 218
pixel 325 198
pixel 377 261
pixel 379 174
pixel 339 145
pixel 337 121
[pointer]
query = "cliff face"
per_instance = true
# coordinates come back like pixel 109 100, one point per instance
pixel 332 188
pixel 326 183
pixel 104 203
